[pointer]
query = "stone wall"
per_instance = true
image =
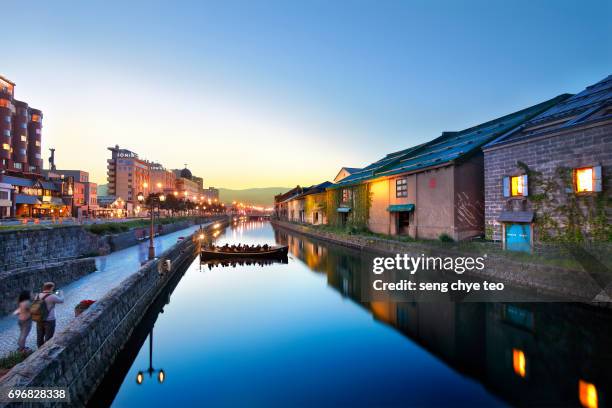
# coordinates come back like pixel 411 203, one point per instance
pixel 129 238
pixel 575 148
pixel 79 356
pixel 29 247
pixel 14 281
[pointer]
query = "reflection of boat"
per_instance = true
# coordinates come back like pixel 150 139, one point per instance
pixel 275 252
pixel 232 263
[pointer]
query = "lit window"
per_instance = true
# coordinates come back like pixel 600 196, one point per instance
pixel 346 195
pixel 18 165
pixel 584 180
pixel 401 187
pixel 515 186
pixel 587 393
pixel 24 138
pixel 6 146
pixel 37 143
pixel 519 362
pixel 518 187
pixel 7 119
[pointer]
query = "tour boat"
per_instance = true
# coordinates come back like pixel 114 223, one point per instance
pixel 273 252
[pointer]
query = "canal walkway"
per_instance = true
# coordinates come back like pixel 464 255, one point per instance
pixel 111 270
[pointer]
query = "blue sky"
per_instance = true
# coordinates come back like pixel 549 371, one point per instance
pixel 276 93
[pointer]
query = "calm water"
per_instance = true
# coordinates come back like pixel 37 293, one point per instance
pixel 297 334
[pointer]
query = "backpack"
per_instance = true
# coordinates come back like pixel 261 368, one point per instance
pixel 39 310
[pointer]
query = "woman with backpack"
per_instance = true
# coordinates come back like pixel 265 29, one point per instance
pixel 24 318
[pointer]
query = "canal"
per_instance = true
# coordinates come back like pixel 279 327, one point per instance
pixel 298 334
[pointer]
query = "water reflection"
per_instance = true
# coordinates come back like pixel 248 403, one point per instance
pixel 211 264
pixel 552 354
pixel 300 334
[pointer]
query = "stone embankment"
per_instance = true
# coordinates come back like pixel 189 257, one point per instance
pixel 78 357
pixel 572 284
pixel 31 279
pixel 33 247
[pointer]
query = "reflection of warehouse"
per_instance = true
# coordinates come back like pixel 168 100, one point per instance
pixel 513 349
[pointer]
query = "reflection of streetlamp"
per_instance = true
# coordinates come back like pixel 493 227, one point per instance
pixel 161 374
pixel 153 200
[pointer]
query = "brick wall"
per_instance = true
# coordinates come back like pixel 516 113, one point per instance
pixel 585 146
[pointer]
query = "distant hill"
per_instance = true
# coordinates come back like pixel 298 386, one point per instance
pixel 263 196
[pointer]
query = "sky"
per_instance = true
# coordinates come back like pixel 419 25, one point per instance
pixel 279 93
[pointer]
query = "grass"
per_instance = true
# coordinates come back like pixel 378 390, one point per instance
pixel 13 358
pixel 104 228
pixel 108 228
pixel 32 226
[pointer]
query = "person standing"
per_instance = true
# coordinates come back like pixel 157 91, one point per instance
pixel 43 312
pixel 24 319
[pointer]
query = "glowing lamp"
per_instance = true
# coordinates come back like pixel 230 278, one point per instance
pixel 519 362
pixel 587 393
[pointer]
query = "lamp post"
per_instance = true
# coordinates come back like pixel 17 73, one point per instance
pixel 153 199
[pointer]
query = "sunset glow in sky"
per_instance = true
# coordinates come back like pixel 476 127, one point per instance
pixel 279 93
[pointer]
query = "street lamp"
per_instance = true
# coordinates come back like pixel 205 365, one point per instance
pixel 153 199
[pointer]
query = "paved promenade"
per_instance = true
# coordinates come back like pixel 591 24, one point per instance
pixel 111 270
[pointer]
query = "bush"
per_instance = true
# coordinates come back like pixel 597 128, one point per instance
pixel 444 237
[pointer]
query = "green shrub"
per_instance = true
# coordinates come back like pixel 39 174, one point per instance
pixel 444 237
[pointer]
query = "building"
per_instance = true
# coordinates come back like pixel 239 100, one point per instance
pixel 162 180
pixel 36 197
pixel 6 200
pixel 84 199
pixel 21 175
pixel 281 202
pixel 20 133
pixel 185 186
pixel 315 203
pixel 549 180
pixel 211 193
pixel 427 190
pixel 127 175
pixel 345 172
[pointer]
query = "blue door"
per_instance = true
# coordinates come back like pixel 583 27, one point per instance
pixel 518 237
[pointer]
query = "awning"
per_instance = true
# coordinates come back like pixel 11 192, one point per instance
pixel 344 209
pixel 516 216
pixel 400 208
pixel 17 181
pixel 27 199
pixel 48 185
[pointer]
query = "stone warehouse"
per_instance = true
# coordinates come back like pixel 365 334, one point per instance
pixel 428 190
pixel 549 179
